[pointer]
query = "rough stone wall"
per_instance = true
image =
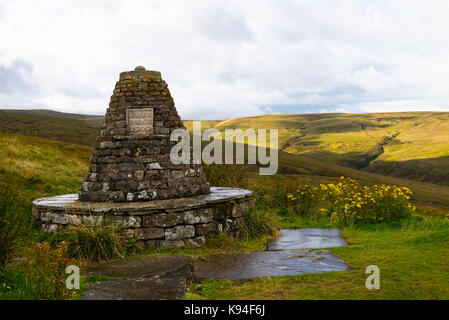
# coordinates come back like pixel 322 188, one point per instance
pixel 131 158
pixel 161 228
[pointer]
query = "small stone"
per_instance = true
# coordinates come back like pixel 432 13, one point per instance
pixel 177 174
pixel 155 166
pixel 196 242
pixel 59 219
pixel 207 228
pixel 139 68
pixel 168 244
pixel 129 196
pixel 73 220
pixel 50 227
pixel 85 186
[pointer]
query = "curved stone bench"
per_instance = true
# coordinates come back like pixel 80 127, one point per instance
pixel 172 223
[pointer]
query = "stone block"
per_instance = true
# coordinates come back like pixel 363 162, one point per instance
pixel 50 227
pixel 46 216
pixel 163 220
pixel 149 233
pixel 169 244
pixel 36 214
pixel 207 228
pixel 128 233
pixel 92 220
pixel 125 221
pixel 73 220
pixel 180 232
pixel 199 216
pixel 239 209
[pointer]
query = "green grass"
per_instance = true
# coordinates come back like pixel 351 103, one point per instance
pixel 412 257
pixel 41 167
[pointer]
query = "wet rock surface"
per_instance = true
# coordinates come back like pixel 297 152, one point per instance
pixel 71 202
pixel 306 239
pixel 158 278
pixel 252 265
pixel 148 278
pixel 150 289
pixel 144 268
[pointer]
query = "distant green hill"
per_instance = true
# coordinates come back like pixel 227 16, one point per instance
pixel 74 128
pixel 411 145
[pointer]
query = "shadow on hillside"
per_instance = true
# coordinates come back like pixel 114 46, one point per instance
pixel 433 170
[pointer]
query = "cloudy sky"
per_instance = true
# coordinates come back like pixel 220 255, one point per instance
pixel 224 59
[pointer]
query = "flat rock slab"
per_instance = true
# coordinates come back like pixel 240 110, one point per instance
pixel 71 202
pixel 240 266
pixel 306 239
pixel 144 268
pixel 149 289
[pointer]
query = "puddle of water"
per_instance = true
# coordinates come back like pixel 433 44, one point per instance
pixel 240 266
pixel 306 239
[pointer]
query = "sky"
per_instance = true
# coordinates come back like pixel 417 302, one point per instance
pixel 227 59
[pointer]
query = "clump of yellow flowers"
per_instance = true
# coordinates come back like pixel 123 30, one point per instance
pixel 348 202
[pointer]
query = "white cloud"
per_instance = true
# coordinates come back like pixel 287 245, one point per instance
pixel 227 60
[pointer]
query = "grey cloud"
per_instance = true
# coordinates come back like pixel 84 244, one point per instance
pixel 224 25
pixel 82 91
pixel 14 78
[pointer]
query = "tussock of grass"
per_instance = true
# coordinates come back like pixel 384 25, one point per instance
pixel 259 223
pixel 95 242
pixel 225 175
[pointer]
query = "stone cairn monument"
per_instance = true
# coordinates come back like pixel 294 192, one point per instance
pixel 132 182
pixel 131 158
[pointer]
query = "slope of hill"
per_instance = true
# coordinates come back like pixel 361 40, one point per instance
pixel 411 145
pixel 57 114
pixel 37 167
pixel 74 128
pixel 34 167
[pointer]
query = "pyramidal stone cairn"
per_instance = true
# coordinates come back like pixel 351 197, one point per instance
pixel 131 158
pixel 132 182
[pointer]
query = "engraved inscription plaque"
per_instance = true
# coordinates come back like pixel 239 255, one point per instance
pixel 140 121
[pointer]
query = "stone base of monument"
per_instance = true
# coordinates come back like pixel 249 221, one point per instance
pixel 172 223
